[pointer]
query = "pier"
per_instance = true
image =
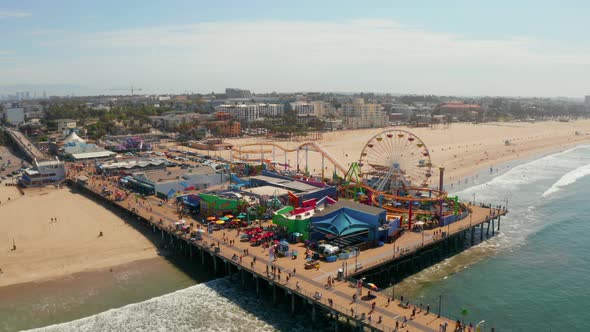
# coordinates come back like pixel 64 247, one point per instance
pixel 25 145
pixel 308 289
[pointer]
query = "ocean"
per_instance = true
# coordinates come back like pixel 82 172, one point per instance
pixel 530 277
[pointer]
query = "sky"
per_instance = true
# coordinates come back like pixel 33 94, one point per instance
pixel 468 47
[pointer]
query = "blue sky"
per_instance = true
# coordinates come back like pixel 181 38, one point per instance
pixel 442 47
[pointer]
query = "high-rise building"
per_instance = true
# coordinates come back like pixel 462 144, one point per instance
pixel 358 114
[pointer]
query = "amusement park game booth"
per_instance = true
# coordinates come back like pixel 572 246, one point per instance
pixel 348 223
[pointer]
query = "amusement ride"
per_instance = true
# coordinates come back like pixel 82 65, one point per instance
pixel 392 172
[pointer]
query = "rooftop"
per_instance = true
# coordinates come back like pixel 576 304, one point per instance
pixel 345 203
pixel 289 184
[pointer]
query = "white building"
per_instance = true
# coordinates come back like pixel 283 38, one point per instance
pixel 241 112
pixel 358 114
pixel 14 116
pixel 303 108
pixel 270 110
pixel 65 124
pixel 44 172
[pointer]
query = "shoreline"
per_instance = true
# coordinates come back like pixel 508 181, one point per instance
pixel 48 249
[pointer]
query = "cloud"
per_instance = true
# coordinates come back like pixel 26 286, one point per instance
pixel 358 55
pixel 10 13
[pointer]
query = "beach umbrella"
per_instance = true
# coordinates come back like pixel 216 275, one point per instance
pixel 224 218
pixel 372 285
pixel 229 216
pixel 236 219
pixel 181 221
pixel 220 222
pixel 211 218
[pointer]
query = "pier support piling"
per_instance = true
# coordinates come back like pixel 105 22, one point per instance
pixel 257 285
pixel 493 228
pixel 274 294
pixel 292 304
pixel 481 232
pixel 313 313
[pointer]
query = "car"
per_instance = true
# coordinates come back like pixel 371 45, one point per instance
pixel 328 250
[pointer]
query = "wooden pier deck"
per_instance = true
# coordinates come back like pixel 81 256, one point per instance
pixel 306 284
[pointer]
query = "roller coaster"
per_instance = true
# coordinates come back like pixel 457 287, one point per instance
pixel 393 172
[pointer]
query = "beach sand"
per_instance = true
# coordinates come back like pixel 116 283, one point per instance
pixel 46 249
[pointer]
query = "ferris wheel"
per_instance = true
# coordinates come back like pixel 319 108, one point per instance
pixel 395 159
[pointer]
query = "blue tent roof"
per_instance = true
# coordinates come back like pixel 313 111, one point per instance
pixel 340 225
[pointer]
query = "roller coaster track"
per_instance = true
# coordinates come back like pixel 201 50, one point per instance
pixel 309 146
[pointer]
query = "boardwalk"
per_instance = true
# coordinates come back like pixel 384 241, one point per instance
pixel 337 299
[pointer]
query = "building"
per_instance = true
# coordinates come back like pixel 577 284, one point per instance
pixel 303 108
pixel 298 191
pixel 587 103
pixel 131 166
pixel 76 149
pixel 270 110
pixel 359 114
pixel 224 128
pixel 173 120
pixel 241 112
pixel 14 116
pixel 237 93
pixel 458 108
pixel 65 124
pixel 349 223
pixel 44 173
pixel 167 183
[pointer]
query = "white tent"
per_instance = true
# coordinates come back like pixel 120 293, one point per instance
pixel 73 137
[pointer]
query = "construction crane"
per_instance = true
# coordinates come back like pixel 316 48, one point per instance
pixel 133 89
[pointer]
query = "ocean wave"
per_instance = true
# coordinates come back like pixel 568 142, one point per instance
pixel 217 305
pixel 567 179
pixel 522 186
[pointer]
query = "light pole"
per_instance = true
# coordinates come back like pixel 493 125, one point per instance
pixel 479 325
pixel 356 255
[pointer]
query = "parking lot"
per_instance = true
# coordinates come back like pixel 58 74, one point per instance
pixel 10 164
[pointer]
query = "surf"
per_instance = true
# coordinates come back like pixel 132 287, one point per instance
pixel 568 179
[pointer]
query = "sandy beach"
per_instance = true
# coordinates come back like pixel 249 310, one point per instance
pixel 463 149
pixel 46 249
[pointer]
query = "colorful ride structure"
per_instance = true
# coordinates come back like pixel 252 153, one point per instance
pixel 393 172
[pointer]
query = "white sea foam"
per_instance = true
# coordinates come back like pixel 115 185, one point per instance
pixel 567 179
pixel 213 306
pixel 523 186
